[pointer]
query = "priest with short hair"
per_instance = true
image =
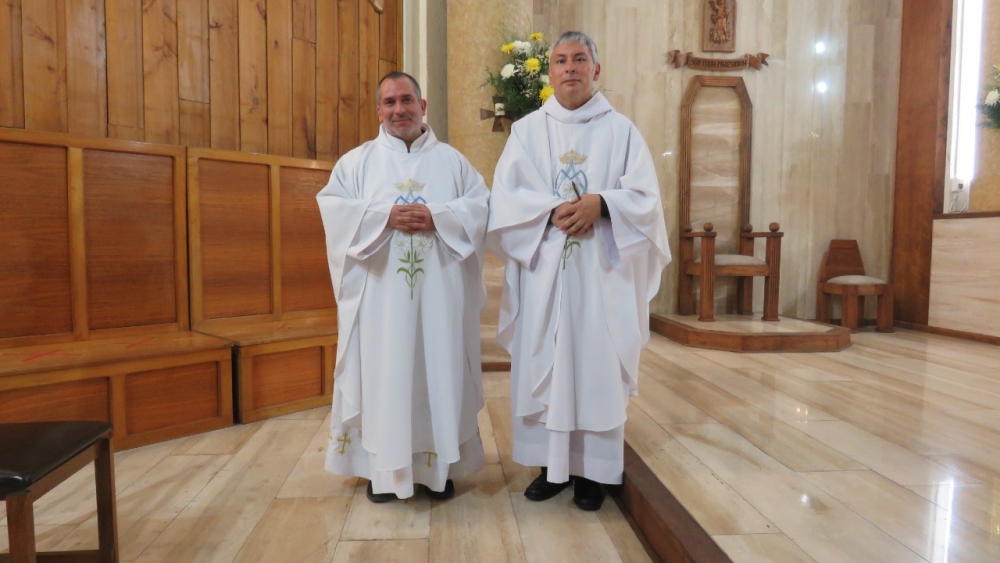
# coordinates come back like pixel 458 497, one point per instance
pixel 576 213
pixel 405 218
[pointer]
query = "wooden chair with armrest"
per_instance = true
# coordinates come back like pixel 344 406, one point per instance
pixel 843 273
pixel 744 265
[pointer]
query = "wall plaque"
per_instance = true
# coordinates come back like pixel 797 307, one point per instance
pixel 719 26
pixel 700 63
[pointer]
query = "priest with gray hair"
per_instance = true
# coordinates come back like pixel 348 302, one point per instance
pixel 575 212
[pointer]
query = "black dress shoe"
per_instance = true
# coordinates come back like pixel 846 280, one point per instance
pixel 380 497
pixel 587 494
pixel 447 493
pixel 541 489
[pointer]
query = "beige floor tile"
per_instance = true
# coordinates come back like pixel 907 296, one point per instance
pixel 148 506
pixel 318 413
pixel 762 548
pixel 309 477
pixel 299 530
pixel 406 551
pixel 778 439
pixel 663 346
pixel 927 529
pixel 622 535
pixel 478 524
pixel 666 407
pixel 215 524
pixel 74 500
pixel 518 476
pixel 556 530
pixel 397 520
pixel 760 393
pixel 496 384
pixel 897 463
pixel 822 526
pixel 486 435
pixel 785 364
pixel 46 537
pixel 978 505
pixel 712 503
pixel 226 441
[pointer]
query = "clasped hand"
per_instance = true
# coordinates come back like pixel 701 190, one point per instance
pixel 578 217
pixel 411 218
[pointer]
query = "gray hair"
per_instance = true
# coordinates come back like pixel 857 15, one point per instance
pixel 394 75
pixel 577 37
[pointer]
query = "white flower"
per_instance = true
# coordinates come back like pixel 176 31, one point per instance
pixel 521 47
pixel 507 71
pixel 992 97
pixel 545 79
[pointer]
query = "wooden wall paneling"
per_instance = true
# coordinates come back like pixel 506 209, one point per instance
pixel 399 33
pixel 384 68
pixel 86 67
pixel 274 192
pixel 44 44
pixel 284 377
pixel 224 79
pixel 193 50
pixel 162 398
pixel 181 259
pixel 74 400
pixel 234 238
pixel 305 275
pixel 279 77
pixel 11 65
pixel 252 51
pixel 195 124
pixel 368 25
pixel 161 107
pixel 921 151
pixel 350 73
pixel 304 19
pixel 327 80
pixel 35 235
pixel 123 24
pixel 387 33
pixel 303 99
pixel 77 242
pixel 129 213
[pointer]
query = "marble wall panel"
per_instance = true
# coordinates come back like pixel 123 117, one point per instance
pixel 965 275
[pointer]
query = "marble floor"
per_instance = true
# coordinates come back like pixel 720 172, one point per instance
pixel 888 451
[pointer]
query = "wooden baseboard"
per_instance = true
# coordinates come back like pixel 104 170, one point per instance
pixel 495 366
pixel 973 336
pixel 665 527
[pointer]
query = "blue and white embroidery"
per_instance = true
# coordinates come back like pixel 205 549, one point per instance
pixel 570 184
pixel 411 248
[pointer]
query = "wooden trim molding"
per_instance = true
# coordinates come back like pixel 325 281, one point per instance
pixel 973 215
pixel 921 140
pixel 973 336
pixel 662 523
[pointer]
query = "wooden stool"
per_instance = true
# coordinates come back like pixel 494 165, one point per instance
pixel 34 458
pixel 842 273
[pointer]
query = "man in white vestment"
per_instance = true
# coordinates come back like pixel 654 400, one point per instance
pixel 405 218
pixel 576 213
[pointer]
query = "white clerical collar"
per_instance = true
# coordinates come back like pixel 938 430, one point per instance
pixel 595 107
pixel 425 140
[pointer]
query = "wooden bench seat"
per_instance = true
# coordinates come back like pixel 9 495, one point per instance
pixel 94 307
pixel 259 276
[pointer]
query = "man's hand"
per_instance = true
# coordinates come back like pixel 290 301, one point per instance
pixel 412 218
pixel 577 217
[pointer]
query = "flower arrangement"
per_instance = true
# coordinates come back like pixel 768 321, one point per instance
pixel 990 107
pixel 522 83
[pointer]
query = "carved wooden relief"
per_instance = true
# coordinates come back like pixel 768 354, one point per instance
pixel 719 26
pixel 379 5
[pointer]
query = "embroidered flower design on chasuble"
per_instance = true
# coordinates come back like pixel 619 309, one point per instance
pixel 570 184
pixel 411 248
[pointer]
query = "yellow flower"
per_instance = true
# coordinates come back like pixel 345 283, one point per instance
pixel 507 48
pixel 548 54
pixel 532 65
pixel 535 36
pixel 546 93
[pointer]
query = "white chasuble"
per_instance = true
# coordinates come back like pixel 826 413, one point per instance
pixel 575 311
pixel 408 379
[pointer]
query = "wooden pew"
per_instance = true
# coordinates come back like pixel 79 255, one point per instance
pixel 94 321
pixel 259 276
